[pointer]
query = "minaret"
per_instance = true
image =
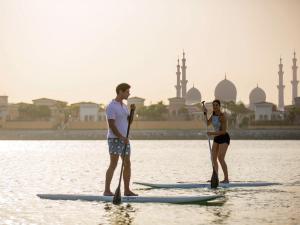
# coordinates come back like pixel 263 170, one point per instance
pixel 294 81
pixel 280 87
pixel 177 86
pixel 183 81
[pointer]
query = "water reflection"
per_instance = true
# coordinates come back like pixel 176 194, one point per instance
pixel 220 214
pixel 121 214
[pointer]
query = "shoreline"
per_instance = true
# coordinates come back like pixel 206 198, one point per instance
pixel 236 134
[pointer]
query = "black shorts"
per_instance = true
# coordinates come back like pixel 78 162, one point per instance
pixel 221 139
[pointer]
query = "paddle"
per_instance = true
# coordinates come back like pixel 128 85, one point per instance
pixel 214 181
pixel 117 196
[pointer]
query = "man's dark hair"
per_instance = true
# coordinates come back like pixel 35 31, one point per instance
pixel 217 101
pixel 122 87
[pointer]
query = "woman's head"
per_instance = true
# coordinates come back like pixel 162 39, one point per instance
pixel 216 105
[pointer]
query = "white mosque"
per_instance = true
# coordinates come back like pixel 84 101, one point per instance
pixel 226 91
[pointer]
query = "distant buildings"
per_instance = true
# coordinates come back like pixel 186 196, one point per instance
pixel 56 107
pixel 226 91
pixel 3 108
pixel 185 105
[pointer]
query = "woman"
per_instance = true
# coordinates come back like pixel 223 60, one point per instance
pixel 221 138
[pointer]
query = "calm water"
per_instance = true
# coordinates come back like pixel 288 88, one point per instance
pixel 31 167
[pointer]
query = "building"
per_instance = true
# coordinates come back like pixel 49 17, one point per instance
pixel 255 96
pixel 193 96
pixel 13 111
pixel 263 110
pixel 294 81
pixel 56 107
pixel 280 87
pixel 176 104
pixel 139 102
pixel 226 91
pixel 267 111
pixel 185 99
pixel 88 111
pixel 297 102
pixel 3 108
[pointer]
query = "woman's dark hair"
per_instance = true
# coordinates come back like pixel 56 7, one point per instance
pixel 122 87
pixel 217 101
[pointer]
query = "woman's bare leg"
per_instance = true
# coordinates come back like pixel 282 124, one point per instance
pixel 221 157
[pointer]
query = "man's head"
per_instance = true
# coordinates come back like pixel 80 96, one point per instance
pixel 122 90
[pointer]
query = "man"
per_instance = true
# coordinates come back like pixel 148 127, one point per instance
pixel 118 118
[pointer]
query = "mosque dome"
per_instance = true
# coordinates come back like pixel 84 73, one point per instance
pixel 193 96
pixel 225 91
pixel 257 95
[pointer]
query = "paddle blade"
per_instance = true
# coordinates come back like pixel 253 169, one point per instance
pixel 214 182
pixel 117 197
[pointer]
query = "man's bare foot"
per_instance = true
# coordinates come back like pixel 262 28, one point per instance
pixel 224 181
pixel 108 193
pixel 130 193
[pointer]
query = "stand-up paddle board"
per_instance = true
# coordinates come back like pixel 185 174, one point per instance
pixel 133 199
pixel 207 185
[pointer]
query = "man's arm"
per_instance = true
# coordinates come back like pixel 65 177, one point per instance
pixel 112 126
pixel 114 129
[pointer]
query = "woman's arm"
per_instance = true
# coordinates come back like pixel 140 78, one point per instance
pixel 209 120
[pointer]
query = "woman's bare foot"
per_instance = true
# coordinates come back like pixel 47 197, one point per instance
pixel 225 181
pixel 108 193
pixel 130 193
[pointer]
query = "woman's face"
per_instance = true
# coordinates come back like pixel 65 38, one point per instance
pixel 216 106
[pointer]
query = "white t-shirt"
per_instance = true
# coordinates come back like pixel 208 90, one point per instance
pixel 119 113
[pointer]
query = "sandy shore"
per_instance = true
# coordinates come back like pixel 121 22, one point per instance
pixel 261 134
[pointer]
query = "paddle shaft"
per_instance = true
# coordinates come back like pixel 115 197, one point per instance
pixel 208 138
pixel 117 197
pixel 123 154
pixel 214 178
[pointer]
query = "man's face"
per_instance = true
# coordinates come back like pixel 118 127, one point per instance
pixel 125 94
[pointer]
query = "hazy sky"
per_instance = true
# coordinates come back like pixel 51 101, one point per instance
pixel 74 50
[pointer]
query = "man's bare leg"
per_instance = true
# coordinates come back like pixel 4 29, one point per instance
pixel 109 173
pixel 126 176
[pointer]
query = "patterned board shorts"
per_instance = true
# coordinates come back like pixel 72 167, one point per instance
pixel 116 146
